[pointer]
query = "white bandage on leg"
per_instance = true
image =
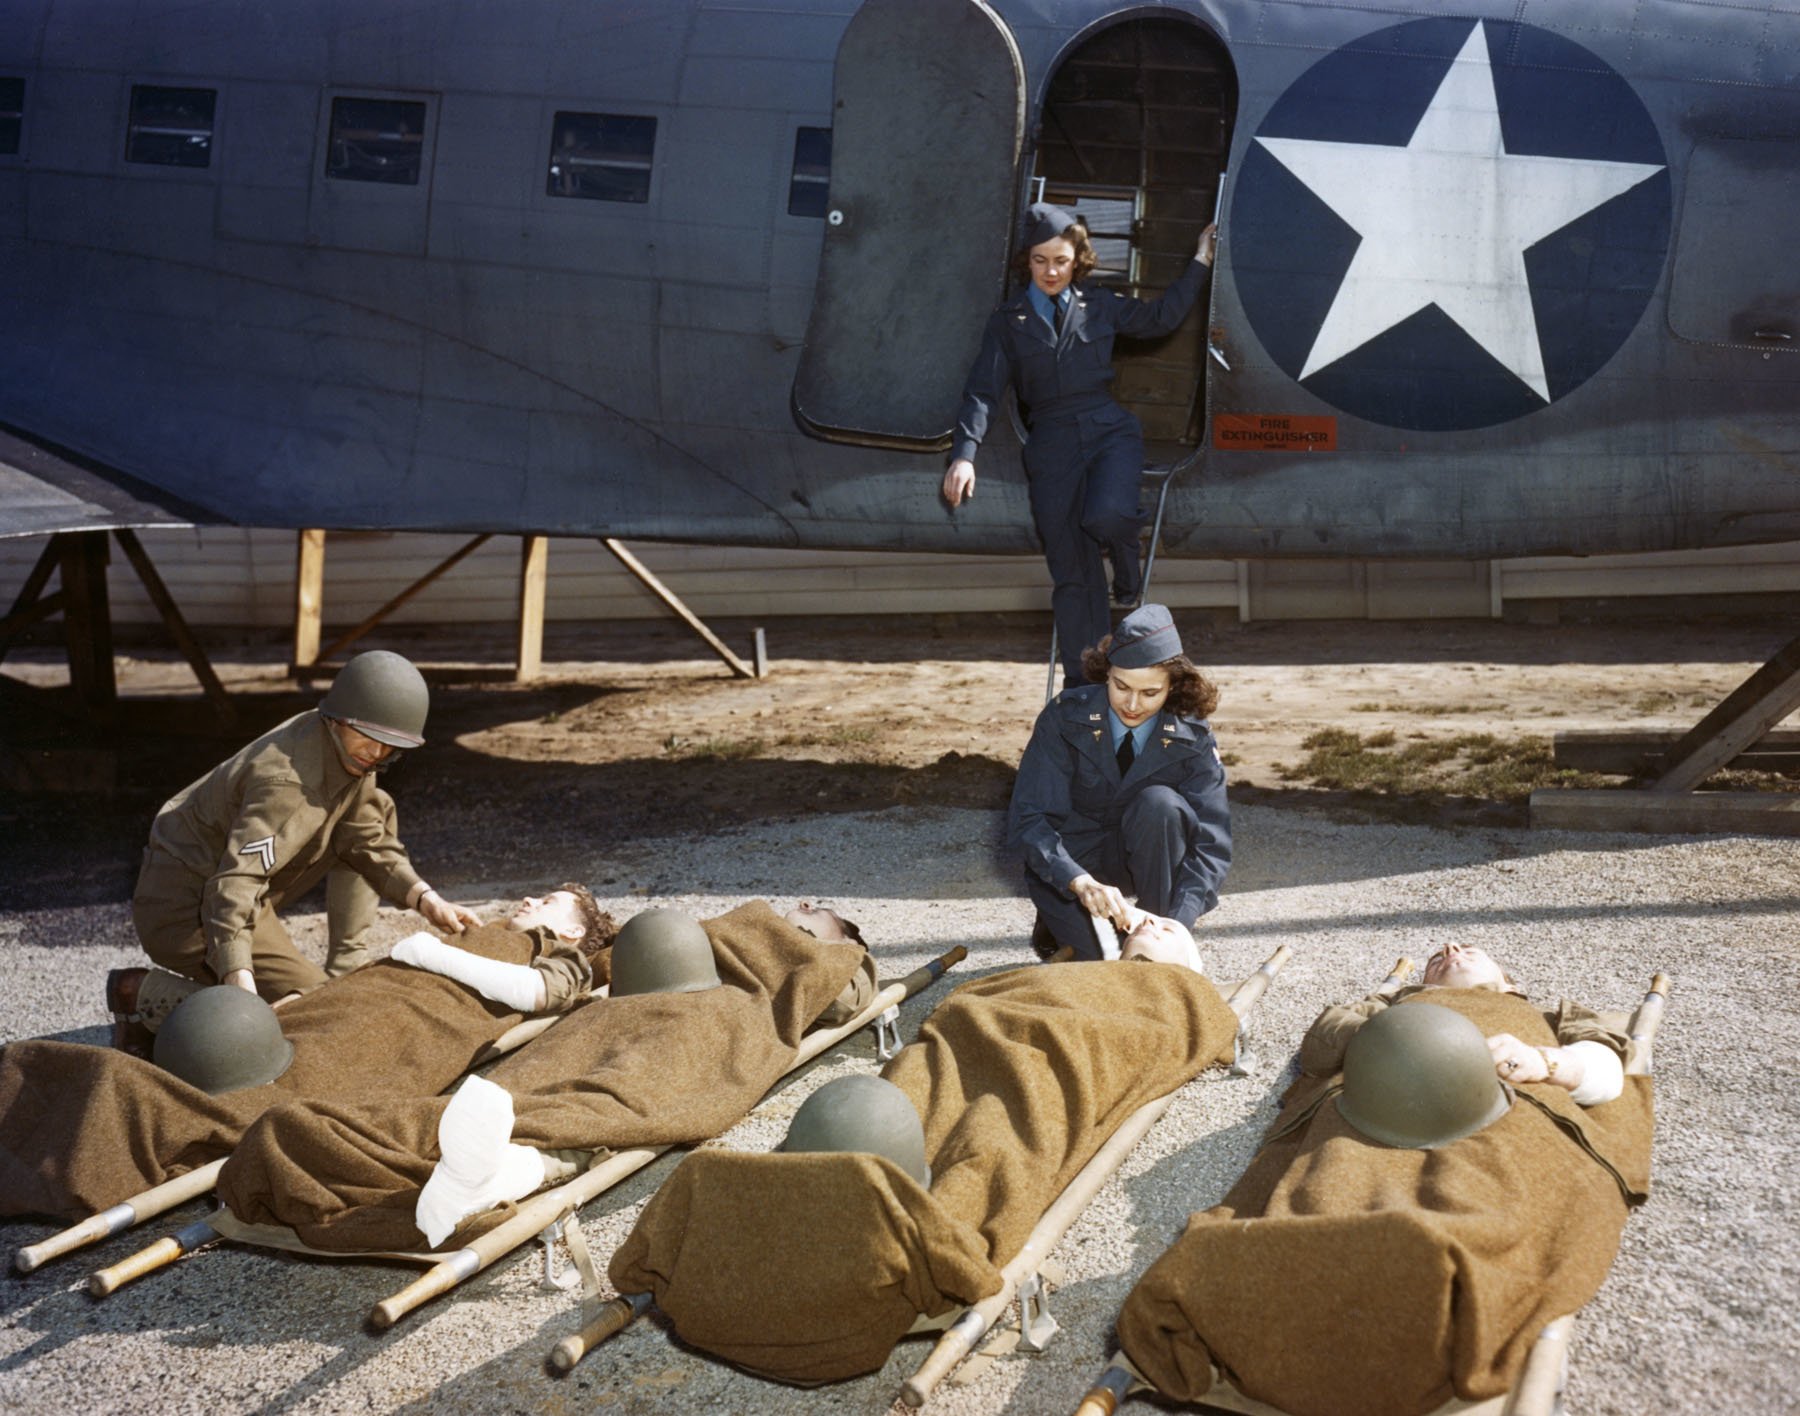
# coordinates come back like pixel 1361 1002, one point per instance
pixel 478 1167
pixel 516 986
pixel 1602 1074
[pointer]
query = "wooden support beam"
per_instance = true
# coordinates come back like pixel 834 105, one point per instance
pixel 177 626
pixel 1749 711
pixel 1683 813
pixel 87 619
pixel 534 574
pixel 1645 752
pixel 27 602
pixel 345 640
pixel 309 596
pixel 673 601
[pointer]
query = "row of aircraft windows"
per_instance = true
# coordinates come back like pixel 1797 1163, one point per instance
pixel 605 157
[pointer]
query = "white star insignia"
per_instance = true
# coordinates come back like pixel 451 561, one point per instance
pixel 1447 219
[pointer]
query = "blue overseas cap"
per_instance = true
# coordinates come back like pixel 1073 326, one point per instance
pixel 1044 222
pixel 1145 637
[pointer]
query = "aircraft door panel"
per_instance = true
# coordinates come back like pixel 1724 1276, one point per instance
pixel 924 170
pixel 1730 286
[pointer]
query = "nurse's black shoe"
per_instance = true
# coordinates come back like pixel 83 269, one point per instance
pixel 1043 942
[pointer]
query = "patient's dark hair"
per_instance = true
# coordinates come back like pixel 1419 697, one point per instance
pixel 597 926
pixel 1191 693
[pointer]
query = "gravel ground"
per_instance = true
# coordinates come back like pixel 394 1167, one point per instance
pixel 1699 1314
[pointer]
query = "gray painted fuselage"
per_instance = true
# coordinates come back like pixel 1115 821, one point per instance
pixel 474 353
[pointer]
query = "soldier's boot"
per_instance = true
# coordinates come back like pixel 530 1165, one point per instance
pixel 350 907
pixel 158 994
pixel 128 1032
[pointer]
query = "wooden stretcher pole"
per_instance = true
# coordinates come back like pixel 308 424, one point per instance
pixel 1644 1024
pixel 161 1254
pixel 1540 1385
pixel 1397 977
pixel 961 1337
pixel 612 1319
pixel 1116 1383
pixel 160 1199
pixel 541 1211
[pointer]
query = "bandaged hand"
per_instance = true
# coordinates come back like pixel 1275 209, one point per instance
pixel 1104 901
pixel 453 919
pixel 515 986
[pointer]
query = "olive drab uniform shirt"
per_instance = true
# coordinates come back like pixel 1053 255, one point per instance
pixel 568 976
pixel 265 822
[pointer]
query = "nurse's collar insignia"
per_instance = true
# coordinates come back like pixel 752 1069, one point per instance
pixel 1093 717
pixel 1096 735
pixel 1167 741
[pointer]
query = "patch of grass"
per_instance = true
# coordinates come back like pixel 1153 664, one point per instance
pixel 1468 764
pixel 1422 710
pixel 844 735
pixel 1229 759
pixel 715 749
pixel 1656 701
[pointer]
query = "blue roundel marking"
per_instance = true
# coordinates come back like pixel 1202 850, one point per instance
pixel 1450 224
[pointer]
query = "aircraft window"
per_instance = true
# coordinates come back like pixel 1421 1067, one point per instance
pixel 12 111
pixel 171 127
pixel 809 187
pixel 376 140
pixel 603 157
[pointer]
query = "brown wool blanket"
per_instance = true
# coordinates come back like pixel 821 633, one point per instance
pixel 653 1069
pixel 809 1268
pixel 82 1128
pixel 1341 1277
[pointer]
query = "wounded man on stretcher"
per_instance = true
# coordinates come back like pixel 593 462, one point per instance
pixel 702 1018
pixel 1450 1174
pixel 82 1128
pixel 903 1197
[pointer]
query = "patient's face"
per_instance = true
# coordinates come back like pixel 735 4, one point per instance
pixel 1463 966
pixel 557 911
pixel 820 922
pixel 1161 941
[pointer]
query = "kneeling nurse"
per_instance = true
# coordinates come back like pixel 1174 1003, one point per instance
pixel 1121 792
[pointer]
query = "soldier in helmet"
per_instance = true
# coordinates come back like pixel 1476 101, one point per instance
pixel 258 831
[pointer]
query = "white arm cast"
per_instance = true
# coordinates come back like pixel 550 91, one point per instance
pixel 1603 1075
pixel 517 986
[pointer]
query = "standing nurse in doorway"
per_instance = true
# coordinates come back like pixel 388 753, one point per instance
pixel 1121 792
pixel 1053 343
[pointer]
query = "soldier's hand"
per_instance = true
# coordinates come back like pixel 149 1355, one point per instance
pixel 241 978
pixel 446 916
pixel 959 481
pixel 1516 1061
pixel 1105 901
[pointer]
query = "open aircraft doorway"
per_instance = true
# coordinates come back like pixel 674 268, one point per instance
pixel 1134 135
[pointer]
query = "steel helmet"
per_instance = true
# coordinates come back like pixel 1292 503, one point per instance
pixel 662 951
pixel 1420 1076
pixel 862 1113
pixel 223 1039
pixel 382 696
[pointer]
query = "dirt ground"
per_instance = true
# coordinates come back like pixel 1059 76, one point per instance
pixel 635 732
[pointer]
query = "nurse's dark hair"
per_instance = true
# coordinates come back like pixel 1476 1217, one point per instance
pixel 1085 259
pixel 1191 693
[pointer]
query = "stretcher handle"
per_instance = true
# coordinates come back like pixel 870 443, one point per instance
pixel 148 1260
pixel 159 1199
pixel 1644 1024
pixel 1248 993
pixel 1397 976
pixel 612 1319
pixel 1104 1396
pixel 924 976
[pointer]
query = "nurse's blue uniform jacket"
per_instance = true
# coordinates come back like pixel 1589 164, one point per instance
pixel 1069 799
pixel 1062 376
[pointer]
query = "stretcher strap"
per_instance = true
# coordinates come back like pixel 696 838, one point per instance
pixel 576 1240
